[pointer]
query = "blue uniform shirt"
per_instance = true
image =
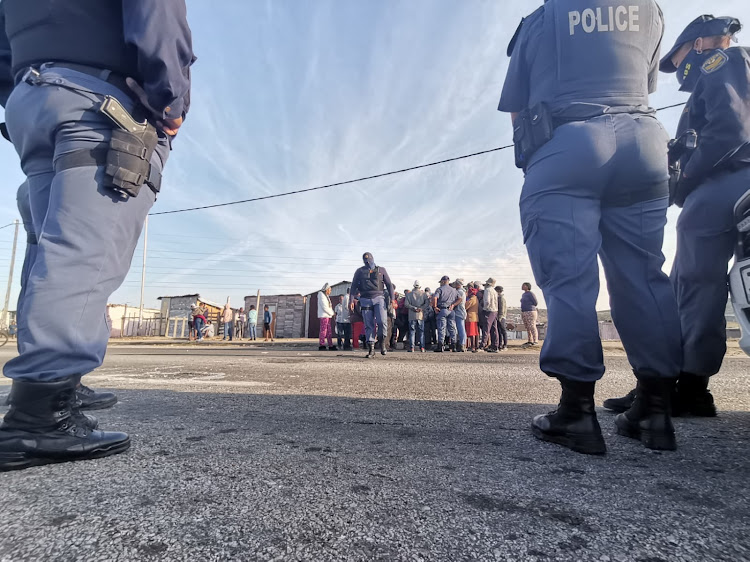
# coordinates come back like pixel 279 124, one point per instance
pixel 719 110
pixel 581 57
pixel 156 34
pixel 446 296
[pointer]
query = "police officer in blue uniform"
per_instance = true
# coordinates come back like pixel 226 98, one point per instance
pixel 596 184
pixel 710 181
pixel 93 93
pixel 372 283
pixel 444 301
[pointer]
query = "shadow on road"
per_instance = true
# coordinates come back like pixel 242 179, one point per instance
pixel 246 477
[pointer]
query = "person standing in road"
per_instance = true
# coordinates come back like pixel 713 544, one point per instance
pixel 91 185
pixel 240 321
pixel 252 323
pixel 267 323
pixel 443 302
pixel 343 324
pixel 460 312
pixel 502 312
pixel 529 314
pixel 596 184
pixel 416 301
pixel 325 317
pixel 489 306
pixel 199 320
pixel 430 322
pixel 712 179
pixel 372 283
pixel 227 318
pixel 472 318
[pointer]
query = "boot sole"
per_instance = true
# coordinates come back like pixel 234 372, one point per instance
pixel 101 405
pixel 650 440
pixel 20 461
pixel 580 444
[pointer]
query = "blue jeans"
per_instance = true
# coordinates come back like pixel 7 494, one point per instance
pixel 446 318
pixel 416 326
pixel 199 327
pixel 252 331
pixel 461 329
pixel 86 233
pixel 372 308
pixel 575 206
pixel 228 332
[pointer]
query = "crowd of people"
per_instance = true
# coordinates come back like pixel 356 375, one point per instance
pixel 457 317
pixel 236 323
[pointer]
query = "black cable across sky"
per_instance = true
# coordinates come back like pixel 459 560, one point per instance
pixel 357 180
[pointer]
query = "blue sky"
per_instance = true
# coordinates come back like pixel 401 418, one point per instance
pixel 289 95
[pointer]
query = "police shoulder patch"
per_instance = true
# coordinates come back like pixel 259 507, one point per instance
pixel 715 62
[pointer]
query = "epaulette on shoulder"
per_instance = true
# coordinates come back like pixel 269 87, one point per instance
pixel 517 34
pixel 715 62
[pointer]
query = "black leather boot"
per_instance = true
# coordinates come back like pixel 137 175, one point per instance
pixel 649 419
pixel 573 424
pixel 620 405
pixel 40 428
pixel 93 400
pixel 693 397
pixel 382 347
pixel 82 419
pixel 370 350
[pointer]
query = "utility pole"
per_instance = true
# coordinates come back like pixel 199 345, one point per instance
pixel 10 277
pixel 143 271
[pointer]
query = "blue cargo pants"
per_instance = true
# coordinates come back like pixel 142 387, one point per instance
pixel 599 188
pixel 86 234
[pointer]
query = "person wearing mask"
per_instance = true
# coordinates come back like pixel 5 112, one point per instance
pixel 416 302
pixel 227 318
pixel 325 317
pixel 343 324
pixel 489 306
pixel 252 323
pixel 711 180
pixel 460 312
pixel 502 312
pixel 472 318
pixel 267 322
pixel 596 186
pixel 373 283
pixel 529 314
pixel 443 303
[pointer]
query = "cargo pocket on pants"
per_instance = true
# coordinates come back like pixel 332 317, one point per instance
pixel 534 248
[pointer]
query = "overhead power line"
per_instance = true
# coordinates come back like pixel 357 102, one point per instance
pixel 356 180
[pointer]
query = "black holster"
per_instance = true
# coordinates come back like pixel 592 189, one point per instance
pixel 129 160
pixel 532 129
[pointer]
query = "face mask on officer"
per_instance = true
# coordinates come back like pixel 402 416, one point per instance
pixel 368 260
pixel 689 70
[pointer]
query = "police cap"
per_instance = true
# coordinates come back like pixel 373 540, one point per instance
pixel 703 26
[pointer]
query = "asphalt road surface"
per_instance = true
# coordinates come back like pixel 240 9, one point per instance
pixel 273 454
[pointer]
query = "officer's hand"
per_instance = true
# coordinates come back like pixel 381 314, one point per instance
pixel 351 306
pixel 170 126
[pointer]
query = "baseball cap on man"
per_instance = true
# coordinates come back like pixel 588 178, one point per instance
pixel 445 278
pixel 490 282
pixel 417 285
pixel 702 26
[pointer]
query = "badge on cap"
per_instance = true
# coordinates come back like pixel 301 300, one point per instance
pixel 715 62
